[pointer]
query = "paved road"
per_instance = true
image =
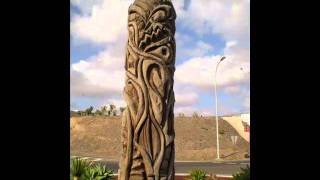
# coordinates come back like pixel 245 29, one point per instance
pixel 224 167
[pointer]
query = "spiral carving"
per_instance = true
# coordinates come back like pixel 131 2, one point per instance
pixel 148 121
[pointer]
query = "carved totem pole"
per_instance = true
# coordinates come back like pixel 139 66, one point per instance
pixel 148 122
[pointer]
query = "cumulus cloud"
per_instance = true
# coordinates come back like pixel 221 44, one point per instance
pixel 232 89
pixel 199 71
pixel 101 75
pixel 187 110
pixel 199 48
pixel 246 103
pixel 229 18
pixel 85 6
pixel 105 22
pixel 186 98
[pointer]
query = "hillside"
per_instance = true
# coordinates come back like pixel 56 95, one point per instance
pixel 195 138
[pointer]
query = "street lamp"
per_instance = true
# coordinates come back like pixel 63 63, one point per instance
pixel 216 96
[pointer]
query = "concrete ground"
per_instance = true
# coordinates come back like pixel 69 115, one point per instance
pixel 215 167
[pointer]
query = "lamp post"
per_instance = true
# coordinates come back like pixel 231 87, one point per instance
pixel 216 99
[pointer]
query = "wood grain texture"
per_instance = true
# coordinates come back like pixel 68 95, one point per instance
pixel 147 125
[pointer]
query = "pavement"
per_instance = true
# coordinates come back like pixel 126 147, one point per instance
pixel 221 167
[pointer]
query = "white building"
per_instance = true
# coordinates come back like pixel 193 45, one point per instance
pixel 245 118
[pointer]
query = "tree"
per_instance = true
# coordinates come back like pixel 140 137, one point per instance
pixel 122 109
pixel 104 111
pixel 112 109
pixel 181 115
pixel 98 113
pixel 89 111
pixel 195 115
pixel 114 112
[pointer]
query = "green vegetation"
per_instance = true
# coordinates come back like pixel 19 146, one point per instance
pixel 78 168
pixel 89 111
pixel 198 174
pixel 243 175
pixel 98 113
pixel 110 110
pixel 85 170
pixel 97 172
pixel 122 109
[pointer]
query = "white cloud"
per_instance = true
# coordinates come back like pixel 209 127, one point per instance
pixel 186 98
pixel 232 89
pixel 187 110
pixel 230 44
pixel 105 24
pixel 246 103
pixel 99 76
pixel 85 6
pixel 117 102
pixel 199 71
pixel 229 18
pixel 200 48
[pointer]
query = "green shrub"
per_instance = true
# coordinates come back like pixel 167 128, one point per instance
pixel 97 172
pixel 198 174
pixel 78 167
pixel 84 170
pixel 243 175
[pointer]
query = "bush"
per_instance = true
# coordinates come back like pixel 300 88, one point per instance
pixel 78 167
pixel 243 175
pixel 198 174
pixel 97 172
pixel 84 170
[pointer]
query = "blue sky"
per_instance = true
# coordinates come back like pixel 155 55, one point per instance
pixel 205 31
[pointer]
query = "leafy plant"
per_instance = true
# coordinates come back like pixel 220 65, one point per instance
pixel 243 175
pixel 78 167
pixel 89 111
pixel 103 172
pixel 198 174
pixel 97 172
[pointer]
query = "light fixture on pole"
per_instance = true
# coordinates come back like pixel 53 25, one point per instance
pixel 216 99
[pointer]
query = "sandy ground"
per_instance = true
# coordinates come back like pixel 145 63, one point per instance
pixel 195 138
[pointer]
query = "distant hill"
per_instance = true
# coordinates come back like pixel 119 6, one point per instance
pixel 99 136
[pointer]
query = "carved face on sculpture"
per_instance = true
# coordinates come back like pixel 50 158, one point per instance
pixel 148 133
pixel 151 29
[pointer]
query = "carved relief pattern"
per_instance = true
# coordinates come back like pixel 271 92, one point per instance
pixel 147 124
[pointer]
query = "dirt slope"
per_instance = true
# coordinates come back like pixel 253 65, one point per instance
pixel 195 138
